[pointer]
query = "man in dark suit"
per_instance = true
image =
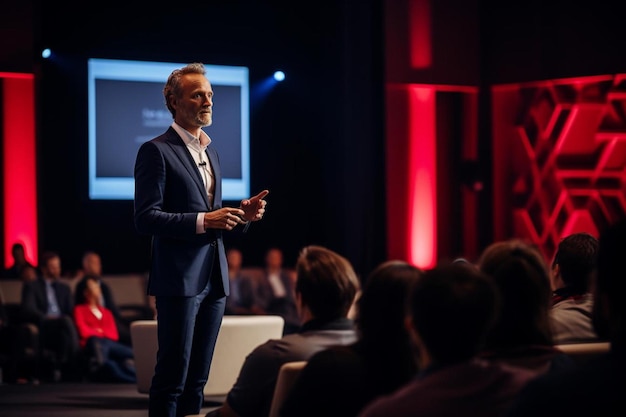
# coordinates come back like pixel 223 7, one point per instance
pixel 47 303
pixel 178 200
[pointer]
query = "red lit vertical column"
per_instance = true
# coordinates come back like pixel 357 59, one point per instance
pixel 20 173
pixel 422 191
pixel 411 174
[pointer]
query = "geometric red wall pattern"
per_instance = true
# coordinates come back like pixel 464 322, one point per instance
pixel 559 156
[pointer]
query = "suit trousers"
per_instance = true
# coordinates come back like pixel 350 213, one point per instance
pixel 187 329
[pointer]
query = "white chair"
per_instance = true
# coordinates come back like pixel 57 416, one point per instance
pixel 287 376
pixel 583 352
pixel 143 335
pixel 238 336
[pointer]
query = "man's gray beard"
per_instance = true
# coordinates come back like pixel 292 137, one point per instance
pixel 202 123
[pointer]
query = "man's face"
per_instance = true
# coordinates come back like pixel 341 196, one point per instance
pixel 52 269
pixel 274 258
pixel 92 265
pixel 194 108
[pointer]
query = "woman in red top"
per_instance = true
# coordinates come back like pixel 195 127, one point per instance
pixel 108 358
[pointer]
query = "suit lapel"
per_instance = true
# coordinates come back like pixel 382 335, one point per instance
pixel 180 149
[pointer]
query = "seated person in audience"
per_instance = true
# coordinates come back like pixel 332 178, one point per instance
pixel 326 285
pixel 109 359
pixel 18 345
pixel 241 299
pixel 572 301
pixel 6 348
pixel 47 303
pixel 19 262
pixel 522 334
pixel 340 381
pixel 92 268
pixel 451 310
pixel 29 273
pixel 275 291
pixel 595 388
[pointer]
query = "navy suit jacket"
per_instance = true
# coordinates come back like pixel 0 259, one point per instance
pixel 169 193
pixel 34 304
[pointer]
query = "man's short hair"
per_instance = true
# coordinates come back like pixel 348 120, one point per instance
pixel 577 256
pixel 326 282
pixel 46 256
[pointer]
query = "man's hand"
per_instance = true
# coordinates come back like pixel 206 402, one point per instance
pixel 224 218
pixel 254 207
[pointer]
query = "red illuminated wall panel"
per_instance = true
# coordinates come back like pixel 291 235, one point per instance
pixel 19 165
pixel 411 174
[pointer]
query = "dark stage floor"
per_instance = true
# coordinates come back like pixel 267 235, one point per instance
pixel 78 399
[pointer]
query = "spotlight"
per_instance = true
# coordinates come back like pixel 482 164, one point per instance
pixel 46 53
pixel 260 90
pixel 279 75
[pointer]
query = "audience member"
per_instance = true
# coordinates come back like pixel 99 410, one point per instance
pixel 47 303
pixel 451 309
pixel 572 301
pixel 275 291
pixel 341 380
pixel 29 273
pixel 6 334
pixel 19 262
pixel 92 268
pixel 109 359
pixel 595 388
pixel 326 285
pixel 18 345
pixel 241 299
pixel 522 334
